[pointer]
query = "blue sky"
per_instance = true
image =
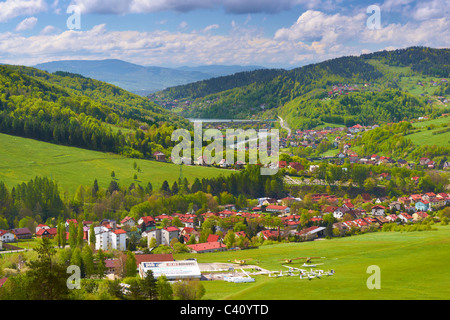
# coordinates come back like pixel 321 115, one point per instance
pixel 171 33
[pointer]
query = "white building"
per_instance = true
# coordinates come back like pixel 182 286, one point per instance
pixel 107 239
pixel 6 236
pixel 173 270
pixel 163 236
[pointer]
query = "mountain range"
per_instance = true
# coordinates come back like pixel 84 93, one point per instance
pixel 384 86
pixel 139 79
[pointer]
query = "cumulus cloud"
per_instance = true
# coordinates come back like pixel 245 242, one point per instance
pixel 315 36
pixel 10 9
pixel 318 26
pixel 27 24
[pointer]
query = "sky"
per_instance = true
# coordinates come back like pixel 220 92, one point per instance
pixel 173 33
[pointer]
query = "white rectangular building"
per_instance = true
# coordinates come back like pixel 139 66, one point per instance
pixel 107 239
pixel 173 270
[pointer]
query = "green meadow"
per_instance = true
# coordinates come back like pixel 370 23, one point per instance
pixel 413 265
pixel 23 159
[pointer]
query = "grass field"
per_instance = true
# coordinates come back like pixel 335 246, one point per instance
pixel 23 159
pixel 412 266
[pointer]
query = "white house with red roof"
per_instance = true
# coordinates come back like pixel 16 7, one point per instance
pixel 128 222
pixel 7 236
pixel 277 209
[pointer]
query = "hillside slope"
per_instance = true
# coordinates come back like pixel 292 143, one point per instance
pixel 268 93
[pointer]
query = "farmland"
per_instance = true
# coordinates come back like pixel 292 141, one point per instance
pixel 413 265
pixel 23 159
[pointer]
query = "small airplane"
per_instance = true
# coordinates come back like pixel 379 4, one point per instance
pixel 241 262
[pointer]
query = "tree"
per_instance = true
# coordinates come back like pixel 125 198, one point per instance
pixel 80 235
pixel 72 235
pixel 95 189
pixel 188 290
pixel 101 264
pixel 130 265
pixel 113 174
pixel 164 288
pixel 230 239
pixel 165 187
pixel 92 235
pixel 47 279
pixel 87 256
pixel 148 286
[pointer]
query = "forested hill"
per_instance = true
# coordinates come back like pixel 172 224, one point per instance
pixel 273 92
pixel 73 110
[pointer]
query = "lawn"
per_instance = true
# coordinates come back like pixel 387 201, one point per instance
pixel 23 159
pixel 412 266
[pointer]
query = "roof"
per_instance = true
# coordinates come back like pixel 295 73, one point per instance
pixel 275 207
pixel 21 231
pixel 119 231
pixel 212 238
pixel 172 229
pixel 153 257
pixel 206 246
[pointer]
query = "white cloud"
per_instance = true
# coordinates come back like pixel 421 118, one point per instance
pixel 210 27
pixel 27 24
pixel 47 30
pixel 10 9
pixel 318 26
pixel 314 37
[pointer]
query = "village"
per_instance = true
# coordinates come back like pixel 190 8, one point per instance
pixel 275 220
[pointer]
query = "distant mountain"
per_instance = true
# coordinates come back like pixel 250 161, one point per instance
pixel 139 79
pixel 367 89
pixel 220 70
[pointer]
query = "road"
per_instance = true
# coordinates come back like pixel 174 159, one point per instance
pixel 284 126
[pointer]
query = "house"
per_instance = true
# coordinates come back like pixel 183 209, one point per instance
pixel 146 223
pixel 7 236
pixel 188 232
pixel 395 205
pixel 340 212
pixel 312 232
pixel 207 247
pixel 22 233
pixel 405 217
pixel 378 210
pixel 47 233
pixel 159 156
pixel 213 238
pixel 419 216
pixel 446 165
pixel 223 163
pixel 277 209
pixel 268 234
pixel 169 233
pixel 422 205
pixel 392 217
pixel 128 222
pixel 41 226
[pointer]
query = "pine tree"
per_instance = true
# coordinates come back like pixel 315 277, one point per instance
pixel 148 286
pixel 72 235
pixel 80 235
